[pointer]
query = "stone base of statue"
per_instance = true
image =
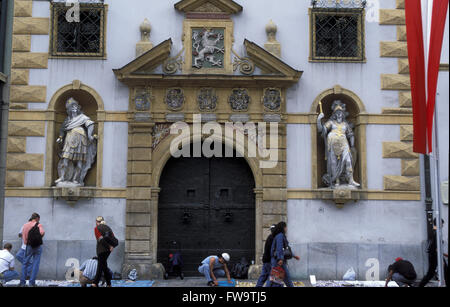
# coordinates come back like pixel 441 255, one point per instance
pixel 68 184
pixel 72 193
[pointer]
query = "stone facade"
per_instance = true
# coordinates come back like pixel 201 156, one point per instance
pixel 385 218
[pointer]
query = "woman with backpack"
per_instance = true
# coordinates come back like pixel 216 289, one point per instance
pixel 281 253
pixel 106 242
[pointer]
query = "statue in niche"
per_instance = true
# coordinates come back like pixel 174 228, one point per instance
pixel 79 146
pixel 340 152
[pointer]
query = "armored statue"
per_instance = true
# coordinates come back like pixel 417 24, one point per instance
pixel 340 152
pixel 79 146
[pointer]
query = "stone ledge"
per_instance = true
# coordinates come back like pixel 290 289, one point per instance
pixel 397 111
pixel 316 194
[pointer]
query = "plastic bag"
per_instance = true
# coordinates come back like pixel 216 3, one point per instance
pixel 133 275
pixel 350 275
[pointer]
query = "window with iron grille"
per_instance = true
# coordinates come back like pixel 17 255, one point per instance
pixel 80 37
pixel 337 35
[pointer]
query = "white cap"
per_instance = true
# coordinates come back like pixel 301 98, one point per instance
pixel 226 257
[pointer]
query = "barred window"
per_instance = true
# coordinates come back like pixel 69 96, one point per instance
pixel 337 35
pixel 80 34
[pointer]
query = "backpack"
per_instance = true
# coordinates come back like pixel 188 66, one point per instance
pixel 34 236
pixel 240 269
pixel 109 237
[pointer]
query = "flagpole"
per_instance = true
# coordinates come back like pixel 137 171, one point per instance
pixel 435 156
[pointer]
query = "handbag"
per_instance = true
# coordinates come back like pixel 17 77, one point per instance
pixel 277 275
pixel 288 253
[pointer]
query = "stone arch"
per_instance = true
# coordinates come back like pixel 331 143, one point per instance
pixel 355 108
pixel 92 105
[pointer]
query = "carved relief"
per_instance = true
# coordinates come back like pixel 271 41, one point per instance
pixel 174 99
pixel 239 100
pixel 207 99
pixel 272 99
pixel 159 133
pixel 142 100
pixel 208 48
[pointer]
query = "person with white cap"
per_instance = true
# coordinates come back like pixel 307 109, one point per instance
pixel 215 266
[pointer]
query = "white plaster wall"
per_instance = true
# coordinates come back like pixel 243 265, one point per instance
pixel 64 222
pixel 115 149
pixel 299 157
pixel 374 222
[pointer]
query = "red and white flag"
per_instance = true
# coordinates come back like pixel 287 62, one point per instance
pixel 423 83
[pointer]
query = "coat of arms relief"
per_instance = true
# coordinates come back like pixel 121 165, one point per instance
pixel 208 48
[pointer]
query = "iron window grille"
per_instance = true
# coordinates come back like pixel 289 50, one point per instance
pixel 78 39
pixel 337 35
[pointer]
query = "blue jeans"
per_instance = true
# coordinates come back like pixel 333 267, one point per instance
pixel 32 260
pixel 265 274
pixel 402 280
pixel 21 257
pixel 9 275
pixel 204 269
pixel 287 279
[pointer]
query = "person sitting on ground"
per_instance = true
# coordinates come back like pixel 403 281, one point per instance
pixel 215 266
pixel 7 272
pixel 88 270
pixel 402 272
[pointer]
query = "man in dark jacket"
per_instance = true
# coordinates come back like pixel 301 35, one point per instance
pixel 267 267
pixel 433 259
pixel 104 249
pixel 402 272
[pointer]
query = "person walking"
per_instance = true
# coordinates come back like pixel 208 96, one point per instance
pixel 433 258
pixel 106 242
pixel 20 255
pixel 402 272
pixel 215 266
pixel 267 267
pixel 32 235
pixel 7 272
pixel 281 253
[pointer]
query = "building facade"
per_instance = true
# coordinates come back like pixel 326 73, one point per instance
pixel 245 75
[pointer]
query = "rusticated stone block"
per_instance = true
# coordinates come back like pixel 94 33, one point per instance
pixel 138 233
pixel 405 99
pixel 138 219
pixel 269 220
pixel 28 93
pixel 280 169
pixel 392 17
pixel 139 180
pixel 26 128
pixel 398 150
pixel 400 4
pixel 140 154
pixel 15 179
pixel 21 43
pixel 23 8
pixel 401 33
pixel 25 162
pixel 275 207
pixel 138 206
pixel 403 66
pixel 395 82
pixel 411 167
pixel 401 183
pixel 31 25
pixel 406 133
pixel 140 140
pixel 29 60
pixel 136 193
pixel 132 246
pixel 140 167
pixel 274 181
pixel 17 144
pixel 20 76
pixel 274 194
pixel 394 49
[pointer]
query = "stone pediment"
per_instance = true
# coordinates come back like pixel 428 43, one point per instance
pixel 209 6
pixel 274 71
pixel 147 62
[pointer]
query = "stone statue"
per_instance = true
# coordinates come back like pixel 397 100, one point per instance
pixel 340 151
pixel 79 146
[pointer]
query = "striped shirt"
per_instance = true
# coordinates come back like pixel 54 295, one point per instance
pixel 89 268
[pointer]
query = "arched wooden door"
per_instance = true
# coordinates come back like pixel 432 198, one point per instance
pixel 207 206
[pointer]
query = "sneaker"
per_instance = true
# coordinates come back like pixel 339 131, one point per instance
pixel 211 284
